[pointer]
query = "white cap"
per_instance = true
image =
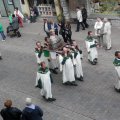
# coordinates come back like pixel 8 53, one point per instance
pixel 28 101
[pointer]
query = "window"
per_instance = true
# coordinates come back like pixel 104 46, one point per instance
pixel 22 1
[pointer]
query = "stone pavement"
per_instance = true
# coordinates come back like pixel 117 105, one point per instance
pixel 93 99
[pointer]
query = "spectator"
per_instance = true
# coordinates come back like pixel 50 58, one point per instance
pixel 107 33
pixel 98 30
pixel 54 27
pixel 20 16
pixel 32 16
pixel 10 16
pixel 15 26
pixel 31 111
pixel 84 15
pixel 9 112
pixel 79 20
pixel 68 33
pixel 47 27
pixel 2 32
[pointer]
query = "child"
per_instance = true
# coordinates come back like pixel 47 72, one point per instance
pixel 2 32
pixel 91 46
pixel 67 67
pixel 117 68
pixel 44 82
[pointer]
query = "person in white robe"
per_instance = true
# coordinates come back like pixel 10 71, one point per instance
pixel 44 81
pixel 77 61
pixel 67 68
pixel 91 46
pixel 116 63
pixel 107 34
pixel 39 53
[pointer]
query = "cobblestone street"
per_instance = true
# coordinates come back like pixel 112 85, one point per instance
pixel 93 99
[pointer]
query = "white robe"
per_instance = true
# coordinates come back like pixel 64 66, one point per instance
pixel 67 70
pixel 117 84
pixel 98 26
pixel 107 36
pixel 93 51
pixel 46 84
pixel 42 58
pixel 78 63
pixel 79 16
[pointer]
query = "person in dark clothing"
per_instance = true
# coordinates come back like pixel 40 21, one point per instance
pixel 9 112
pixel 84 15
pixel 31 111
pixel 36 12
pixel 62 30
pixel 15 26
pixel 68 33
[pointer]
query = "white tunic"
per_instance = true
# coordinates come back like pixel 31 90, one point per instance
pixel 117 84
pixel 79 16
pixel 78 63
pixel 67 69
pixel 42 58
pixel 46 84
pixel 93 51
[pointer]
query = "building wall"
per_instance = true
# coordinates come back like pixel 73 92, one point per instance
pixel 73 4
pixel 8 6
pixel 25 7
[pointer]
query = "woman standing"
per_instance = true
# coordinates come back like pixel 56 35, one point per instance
pixel 20 16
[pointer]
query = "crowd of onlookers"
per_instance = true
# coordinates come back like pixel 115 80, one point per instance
pixel 30 112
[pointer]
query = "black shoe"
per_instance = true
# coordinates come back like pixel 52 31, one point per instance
pixel 0 57
pixel 73 84
pixel 51 99
pixel 83 29
pixel 66 83
pixel 77 31
pixel 81 78
pixel 54 71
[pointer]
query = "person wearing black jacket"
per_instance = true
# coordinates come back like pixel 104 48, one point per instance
pixel 31 111
pixel 84 15
pixel 9 112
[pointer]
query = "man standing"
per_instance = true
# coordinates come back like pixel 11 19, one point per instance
pixel 31 111
pixel 107 34
pixel 84 15
pixel 79 20
pixel 47 27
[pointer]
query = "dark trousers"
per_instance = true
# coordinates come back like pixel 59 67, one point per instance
pixel 17 33
pixel 56 31
pixel 3 35
pixel 85 23
pixel 78 25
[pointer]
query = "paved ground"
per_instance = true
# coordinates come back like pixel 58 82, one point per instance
pixel 93 99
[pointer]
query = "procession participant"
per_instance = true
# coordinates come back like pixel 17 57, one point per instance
pixel 98 27
pixel 91 46
pixel 67 67
pixel 117 68
pixel 20 16
pixel 77 57
pixel 39 52
pixel 107 33
pixel 44 82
